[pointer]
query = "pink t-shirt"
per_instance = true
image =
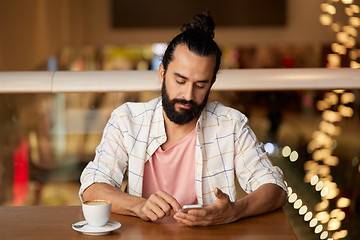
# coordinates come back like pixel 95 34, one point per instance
pixel 173 171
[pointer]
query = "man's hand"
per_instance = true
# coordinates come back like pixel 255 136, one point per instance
pixel 220 212
pixel 157 206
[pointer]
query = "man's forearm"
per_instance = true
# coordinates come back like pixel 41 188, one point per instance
pixel 266 198
pixel 122 203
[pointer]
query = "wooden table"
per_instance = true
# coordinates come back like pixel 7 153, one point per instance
pixel 45 222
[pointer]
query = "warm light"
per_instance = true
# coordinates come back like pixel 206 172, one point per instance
pixel 330 185
pixel 331 116
pixel 340 234
pixel 325 7
pixel 345 111
pixel 331 161
pixel 286 151
pixel 308 165
pixel 298 203
pixel 319 186
pixel 321 139
pixel 308 216
pixel 294 156
pixel 324 170
pixel 327 180
pixel 322 153
pixel 342 37
pixel 332 193
pixel 321 206
pixel 355 8
pixel 324 235
pixel 347 1
pixel 354 21
pixel 334 60
pixel 314 180
pixel 350 43
pixel 309 175
pixel 348 11
pixel 330 128
pixel 333 224
pixel 337 214
pixel 322 105
pixel 350 30
pixel 354 64
pixel 343 202
pixel 339 91
pixel 318 229
pixel 347 98
pixel 338 48
pixel 335 27
pixel 324 192
pixel 292 197
pixel 323 217
pixel 325 19
pixel 331 97
pixel 303 210
pixel 313 222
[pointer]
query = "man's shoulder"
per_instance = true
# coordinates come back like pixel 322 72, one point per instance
pixel 218 110
pixel 137 110
pixel 134 109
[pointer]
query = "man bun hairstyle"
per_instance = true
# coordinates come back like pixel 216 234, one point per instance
pixel 198 35
pixel 202 23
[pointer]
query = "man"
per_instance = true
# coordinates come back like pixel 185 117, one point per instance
pixel 179 149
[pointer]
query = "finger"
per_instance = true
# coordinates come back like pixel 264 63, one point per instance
pixel 157 208
pixel 198 212
pixel 148 214
pixel 193 215
pixel 159 204
pixel 170 200
pixel 191 221
pixel 220 194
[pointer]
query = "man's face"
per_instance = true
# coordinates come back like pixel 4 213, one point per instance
pixel 186 85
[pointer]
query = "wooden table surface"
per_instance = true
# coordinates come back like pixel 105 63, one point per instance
pixel 54 222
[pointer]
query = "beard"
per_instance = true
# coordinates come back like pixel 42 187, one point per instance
pixel 183 116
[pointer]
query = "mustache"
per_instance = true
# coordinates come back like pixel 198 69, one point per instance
pixel 183 101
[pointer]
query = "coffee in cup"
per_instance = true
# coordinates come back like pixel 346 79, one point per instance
pixel 96 212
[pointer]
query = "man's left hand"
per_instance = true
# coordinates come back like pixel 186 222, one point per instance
pixel 220 212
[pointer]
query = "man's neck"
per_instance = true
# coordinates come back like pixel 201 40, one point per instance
pixel 175 132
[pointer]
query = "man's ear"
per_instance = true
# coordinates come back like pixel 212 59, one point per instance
pixel 161 73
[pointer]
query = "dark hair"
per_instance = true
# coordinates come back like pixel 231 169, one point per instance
pixel 197 35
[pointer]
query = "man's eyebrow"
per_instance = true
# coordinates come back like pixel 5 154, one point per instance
pixel 180 76
pixel 186 78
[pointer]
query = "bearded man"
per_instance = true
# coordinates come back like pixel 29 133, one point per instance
pixel 181 149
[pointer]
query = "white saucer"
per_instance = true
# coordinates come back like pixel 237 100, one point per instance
pixel 89 230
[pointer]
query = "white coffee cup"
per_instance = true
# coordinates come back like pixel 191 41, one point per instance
pixel 96 212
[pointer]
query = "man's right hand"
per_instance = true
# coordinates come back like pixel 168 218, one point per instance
pixel 157 206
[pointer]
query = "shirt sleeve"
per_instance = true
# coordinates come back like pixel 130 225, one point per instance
pixel 111 160
pixel 252 164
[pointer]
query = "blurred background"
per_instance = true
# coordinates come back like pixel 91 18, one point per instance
pixel 46 139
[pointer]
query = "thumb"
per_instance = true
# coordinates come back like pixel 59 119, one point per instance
pixel 220 195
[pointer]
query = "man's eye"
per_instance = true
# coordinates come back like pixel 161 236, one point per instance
pixel 199 86
pixel 180 82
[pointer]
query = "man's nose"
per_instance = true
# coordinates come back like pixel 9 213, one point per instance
pixel 189 94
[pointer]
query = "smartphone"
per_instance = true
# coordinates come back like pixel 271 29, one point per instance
pixel 186 208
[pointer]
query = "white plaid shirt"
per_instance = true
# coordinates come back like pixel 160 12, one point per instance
pixel 225 147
